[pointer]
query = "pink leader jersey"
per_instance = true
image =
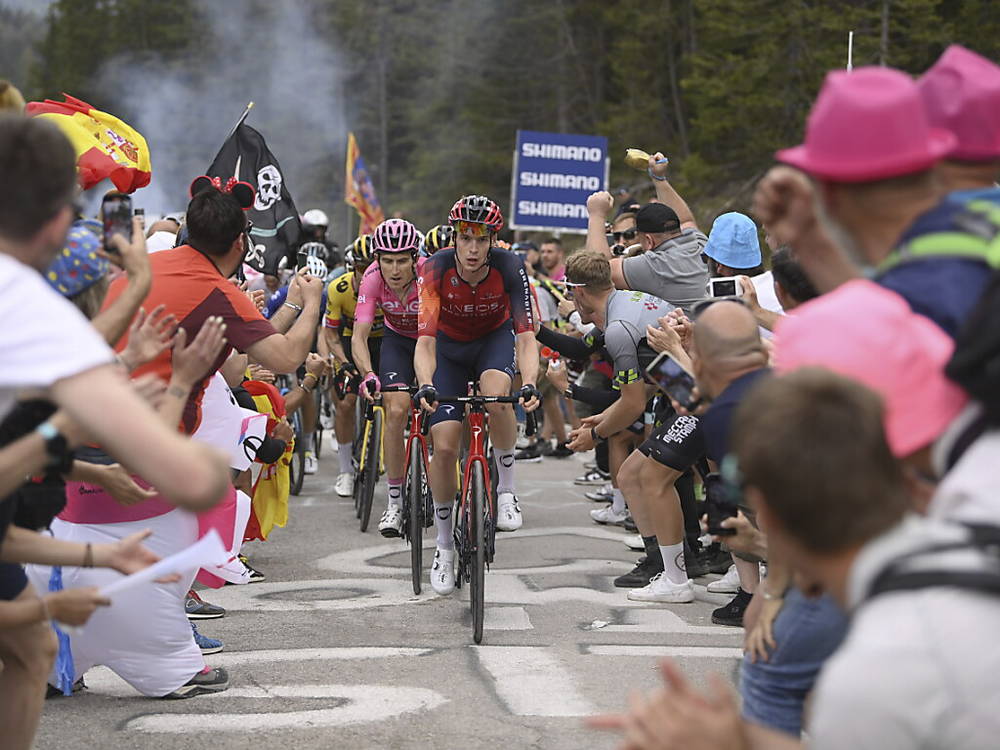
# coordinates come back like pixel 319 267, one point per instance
pixel 374 293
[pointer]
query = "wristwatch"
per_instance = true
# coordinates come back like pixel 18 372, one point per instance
pixel 597 438
pixel 60 457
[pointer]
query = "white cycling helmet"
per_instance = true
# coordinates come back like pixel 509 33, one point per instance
pixel 316 267
pixel 314 218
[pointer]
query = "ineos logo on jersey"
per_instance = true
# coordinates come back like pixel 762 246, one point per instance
pixel 472 309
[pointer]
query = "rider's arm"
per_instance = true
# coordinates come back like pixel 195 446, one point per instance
pixel 626 410
pixel 570 347
pixel 424 358
pixel 359 346
pixel 518 288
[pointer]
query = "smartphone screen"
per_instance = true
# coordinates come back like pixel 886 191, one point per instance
pixel 666 374
pixel 724 286
pixel 302 260
pixel 116 217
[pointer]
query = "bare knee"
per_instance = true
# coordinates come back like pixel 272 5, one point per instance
pixel 30 649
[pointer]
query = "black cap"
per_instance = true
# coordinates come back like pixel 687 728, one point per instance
pixel 657 218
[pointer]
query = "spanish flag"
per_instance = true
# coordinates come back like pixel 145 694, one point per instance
pixel 359 191
pixel 105 146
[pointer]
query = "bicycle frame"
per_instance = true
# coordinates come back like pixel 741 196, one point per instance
pixel 370 408
pixel 477 454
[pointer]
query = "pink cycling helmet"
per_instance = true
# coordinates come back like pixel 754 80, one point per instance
pixel 396 236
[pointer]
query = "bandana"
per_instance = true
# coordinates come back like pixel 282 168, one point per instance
pixel 77 266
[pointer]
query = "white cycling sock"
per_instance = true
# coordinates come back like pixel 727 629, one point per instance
pixel 505 471
pixel 395 491
pixel 617 501
pixel 673 562
pixel 442 522
pixel 345 454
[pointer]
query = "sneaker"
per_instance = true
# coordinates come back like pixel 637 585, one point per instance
pixel 592 478
pixel 606 516
pixel 528 455
pixel 634 541
pixel 732 613
pixel 391 525
pixel 728 584
pixel 659 589
pixel 206 644
pixel 310 465
pixel 545 447
pixel 601 495
pixel 630 526
pixel 207 680
pixel 561 451
pixel 345 484
pixel 508 514
pixel 255 575
pixel 198 609
pixel 443 571
pixel 640 575
pixel 716 559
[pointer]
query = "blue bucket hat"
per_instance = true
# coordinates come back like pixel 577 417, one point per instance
pixel 77 266
pixel 733 242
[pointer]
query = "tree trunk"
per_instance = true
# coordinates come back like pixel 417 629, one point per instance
pixel 883 47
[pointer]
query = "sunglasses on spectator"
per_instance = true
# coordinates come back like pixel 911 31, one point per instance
pixel 700 307
pixel 628 234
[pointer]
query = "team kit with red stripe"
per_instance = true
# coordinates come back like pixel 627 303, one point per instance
pixel 461 316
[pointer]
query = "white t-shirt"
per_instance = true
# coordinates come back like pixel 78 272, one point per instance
pixel 45 338
pixel 918 668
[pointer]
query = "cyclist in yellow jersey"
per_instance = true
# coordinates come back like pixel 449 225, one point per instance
pixel 338 325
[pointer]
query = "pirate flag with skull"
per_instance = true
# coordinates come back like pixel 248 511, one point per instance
pixel 276 227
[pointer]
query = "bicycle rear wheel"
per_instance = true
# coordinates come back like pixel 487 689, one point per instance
pixel 416 485
pixel 370 470
pixel 297 467
pixel 477 538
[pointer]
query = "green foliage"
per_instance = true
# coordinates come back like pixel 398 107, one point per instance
pixel 435 90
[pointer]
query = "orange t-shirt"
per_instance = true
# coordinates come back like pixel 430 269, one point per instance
pixel 191 287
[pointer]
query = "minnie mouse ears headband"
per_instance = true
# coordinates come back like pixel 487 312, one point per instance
pixel 242 191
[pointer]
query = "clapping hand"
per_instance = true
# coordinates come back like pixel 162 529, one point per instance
pixel 148 336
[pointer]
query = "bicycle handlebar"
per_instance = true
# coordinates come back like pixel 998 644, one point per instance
pixel 530 424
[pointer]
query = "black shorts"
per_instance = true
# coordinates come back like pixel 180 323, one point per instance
pixel 374 350
pixel 12 581
pixel 396 355
pixel 678 443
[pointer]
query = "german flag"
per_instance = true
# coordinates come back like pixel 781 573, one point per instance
pixel 105 146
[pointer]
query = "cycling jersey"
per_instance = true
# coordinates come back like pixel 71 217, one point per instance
pixel 464 312
pixel 341 301
pixel 375 295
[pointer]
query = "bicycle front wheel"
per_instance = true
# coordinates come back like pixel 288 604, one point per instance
pixel 297 468
pixel 477 537
pixel 416 485
pixel 369 472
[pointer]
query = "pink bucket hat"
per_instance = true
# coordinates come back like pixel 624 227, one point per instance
pixel 961 92
pixel 868 125
pixel 866 332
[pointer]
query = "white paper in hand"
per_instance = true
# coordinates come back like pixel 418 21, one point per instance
pixel 205 553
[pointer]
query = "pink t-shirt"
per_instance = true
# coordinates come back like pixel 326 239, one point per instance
pixel 374 293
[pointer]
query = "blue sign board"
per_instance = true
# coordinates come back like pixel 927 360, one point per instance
pixel 553 175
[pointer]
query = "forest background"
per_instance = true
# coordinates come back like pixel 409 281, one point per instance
pixel 436 90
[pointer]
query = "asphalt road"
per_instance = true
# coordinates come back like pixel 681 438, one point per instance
pixel 333 650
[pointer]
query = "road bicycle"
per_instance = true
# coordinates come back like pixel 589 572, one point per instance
pixel 475 517
pixel 418 504
pixel 297 465
pixel 371 458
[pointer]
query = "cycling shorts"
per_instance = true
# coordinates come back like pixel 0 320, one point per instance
pixel 396 366
pixel 678 443
pixel 459 362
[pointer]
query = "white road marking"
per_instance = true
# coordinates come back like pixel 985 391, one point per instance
pixel 365 703
pixel 531 681
pixel 712 652
pixel 665 621
pixel 507 618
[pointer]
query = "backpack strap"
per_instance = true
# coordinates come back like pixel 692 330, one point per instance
pixel 982 577
pixel 975 236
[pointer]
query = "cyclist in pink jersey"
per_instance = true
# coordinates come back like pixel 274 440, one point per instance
pixel 390 285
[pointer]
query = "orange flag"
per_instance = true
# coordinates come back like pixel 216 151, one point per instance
pixel 105 146
pixel 359 191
